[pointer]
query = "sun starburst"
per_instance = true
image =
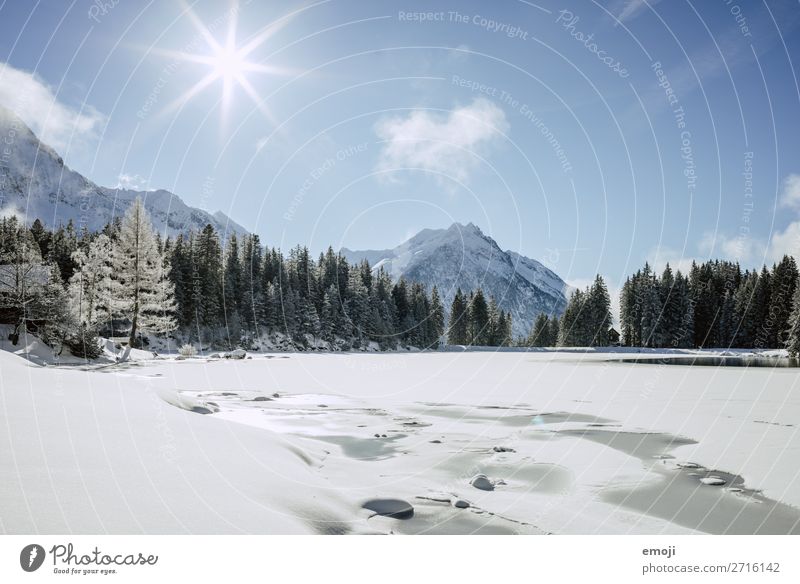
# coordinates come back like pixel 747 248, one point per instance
pixel 229 62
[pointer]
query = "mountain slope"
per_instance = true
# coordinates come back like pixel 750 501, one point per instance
pixel 35 184
pixel 463 257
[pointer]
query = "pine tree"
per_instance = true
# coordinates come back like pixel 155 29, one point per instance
pixel 743 299
pixel 327 317
pixel 458 332
pixel 793 333
pixel 62 245
pixel 555 330
pixel 206 280
pixel 727 321
pixel 761 309
pixel 22 276
pixel 683 336
pixel 51 309
pixel 478 320
pixel 599 313
pixel 252 263
pixel 436 317
pixel 671 315
pixel 627 302
pixel 650 302
pixel 570 333
pixel 493 332
pixel 540 332
pixel 143 294
pixel 782 288
pixel 232 292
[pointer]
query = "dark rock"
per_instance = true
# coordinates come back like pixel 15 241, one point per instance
pixel 395 508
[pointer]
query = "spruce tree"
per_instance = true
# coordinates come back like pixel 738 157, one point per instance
pixel 458 332
pixel 436 318
pixel 478 319
pixel 793 332
pixel 598 313
pixel 782 288
pixel 540 332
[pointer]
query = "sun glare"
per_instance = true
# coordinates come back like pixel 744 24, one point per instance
pixel 229 62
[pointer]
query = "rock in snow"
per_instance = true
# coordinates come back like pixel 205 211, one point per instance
pixel 503 449
pixel 396 508
pixel 482 482
pixel 461 504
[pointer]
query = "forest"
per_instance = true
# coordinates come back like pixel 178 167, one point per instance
pixel 71 287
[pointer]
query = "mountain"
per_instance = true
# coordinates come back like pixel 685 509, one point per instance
pixel 36 184
pixel 463 257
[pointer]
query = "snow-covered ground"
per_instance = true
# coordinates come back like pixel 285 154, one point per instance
pixel 568 442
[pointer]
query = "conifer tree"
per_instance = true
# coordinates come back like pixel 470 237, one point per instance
pixel 143 294
pixel 599 313
pixel 540 332
pixel 478 320
pixel 90 287
pixel 793 332
pixel 436 319
pixel 458 333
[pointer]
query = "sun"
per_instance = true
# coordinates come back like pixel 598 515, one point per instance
pixel 228 62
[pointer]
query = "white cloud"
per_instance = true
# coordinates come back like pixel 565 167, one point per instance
pixel 660 256
pixel 746 250
pixel 132 181
pixel 786 242
pixel 790 191
pixel 56 124
pixel 438 143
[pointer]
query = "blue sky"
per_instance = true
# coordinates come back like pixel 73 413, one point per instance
pixel 670 134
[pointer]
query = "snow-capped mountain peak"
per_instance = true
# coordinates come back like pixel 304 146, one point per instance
pixel 462 256
pixel 36 184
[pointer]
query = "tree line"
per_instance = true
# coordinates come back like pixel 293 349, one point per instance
pixel 716 305
pixel 72 287
pixel 476 321
pixel 586 321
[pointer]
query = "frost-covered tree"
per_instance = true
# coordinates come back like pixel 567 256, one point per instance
pixel 142 292
pixel 782 288
pixel 90 287
pixel 793 332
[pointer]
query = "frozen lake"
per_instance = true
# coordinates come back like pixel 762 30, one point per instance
pixel 473 442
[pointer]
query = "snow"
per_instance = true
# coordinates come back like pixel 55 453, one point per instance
pixel 712 481
pixel 289 445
